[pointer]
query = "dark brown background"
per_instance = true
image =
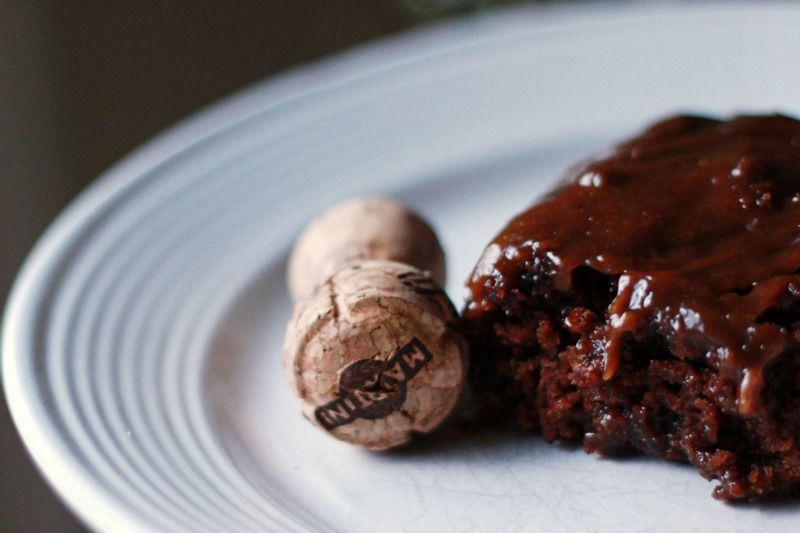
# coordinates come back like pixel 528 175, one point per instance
pixel 82 83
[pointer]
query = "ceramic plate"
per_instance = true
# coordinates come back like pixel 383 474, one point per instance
pixel 141 347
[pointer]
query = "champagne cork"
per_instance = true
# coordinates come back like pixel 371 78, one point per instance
pixel 372 351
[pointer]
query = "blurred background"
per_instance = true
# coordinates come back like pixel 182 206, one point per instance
pixel 83 83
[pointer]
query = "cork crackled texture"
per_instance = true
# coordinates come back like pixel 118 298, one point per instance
pixel 652 304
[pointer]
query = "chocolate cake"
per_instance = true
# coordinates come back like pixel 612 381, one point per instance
pixel 652 303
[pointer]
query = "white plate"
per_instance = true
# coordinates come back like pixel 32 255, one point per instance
pixel 142 340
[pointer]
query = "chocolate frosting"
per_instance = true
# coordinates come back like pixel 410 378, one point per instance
pixel 696 222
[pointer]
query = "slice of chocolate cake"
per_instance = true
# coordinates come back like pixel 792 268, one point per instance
pixel 653 303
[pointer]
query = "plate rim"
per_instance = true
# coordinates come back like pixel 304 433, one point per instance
pixel 69 479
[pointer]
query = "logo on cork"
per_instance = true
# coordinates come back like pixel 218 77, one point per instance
pixel 372 388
